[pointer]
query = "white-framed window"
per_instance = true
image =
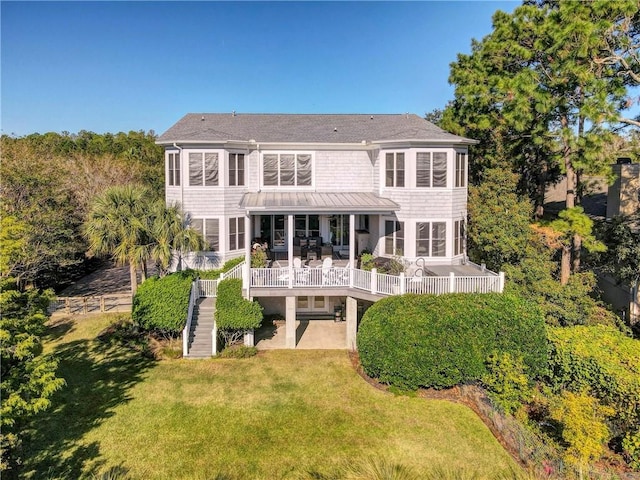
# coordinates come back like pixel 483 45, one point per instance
pixel 173 159
pixel 203 169
pixel 393 237
pixel 236 233
pixel 461 169
pixel 394 169
pixel 307 225
pixel 458 237
pixel 431 169
pixel 431 239
pixel 236 169
pixel 287 169
pixel 209 228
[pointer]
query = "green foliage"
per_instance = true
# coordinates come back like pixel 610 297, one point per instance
pixel 622 258
pixel 583 427
pixel 413 341
pixel 601 361
pixel 367 261
pixel 28 377
pixel 258 258
pixel 48 182
pixel 215 274
pixel 161 304
pixel 240 351
pixel 507 381
pixel 631 449
pixel 234 314
pixel 498 230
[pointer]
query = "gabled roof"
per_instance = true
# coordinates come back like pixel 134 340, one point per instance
pixel 305 128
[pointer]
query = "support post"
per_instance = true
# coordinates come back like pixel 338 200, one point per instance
pixel 501 282
pixel 452 282
pixel 290 325
pixel 374 280
pixel 214 339
pixel 352 238
pixel 290 234
pixel 246 273
pixel 352 322
pixel 249 336
pixel 403 284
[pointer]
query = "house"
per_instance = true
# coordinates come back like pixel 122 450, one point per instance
pixel 318 187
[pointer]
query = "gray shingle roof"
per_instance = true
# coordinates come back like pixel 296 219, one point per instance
pixel 305 128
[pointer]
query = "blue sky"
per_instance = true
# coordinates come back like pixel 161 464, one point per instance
pixel 120 66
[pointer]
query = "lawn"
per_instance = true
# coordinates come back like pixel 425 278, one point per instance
pixel 282 414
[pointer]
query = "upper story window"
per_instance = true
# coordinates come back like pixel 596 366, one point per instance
pixel 431 169
pixel 209 228
pixel 461 169
pixel 287 169
pixel 394 169
pixel 203 169
pixel 173 179
pixel 236 169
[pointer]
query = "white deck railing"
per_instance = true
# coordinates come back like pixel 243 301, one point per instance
pixel 371 281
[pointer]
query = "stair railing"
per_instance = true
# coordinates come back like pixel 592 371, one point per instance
pixel 193 298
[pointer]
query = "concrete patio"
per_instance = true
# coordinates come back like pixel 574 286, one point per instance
pixel 310 334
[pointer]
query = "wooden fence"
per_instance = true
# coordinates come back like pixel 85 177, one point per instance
pixel 91 304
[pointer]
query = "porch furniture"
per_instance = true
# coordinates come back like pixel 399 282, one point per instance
pixel 303 245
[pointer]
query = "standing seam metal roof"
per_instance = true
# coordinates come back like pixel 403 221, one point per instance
pixel 305 128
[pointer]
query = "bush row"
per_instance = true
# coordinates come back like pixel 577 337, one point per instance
pixel 413 341
pixel 233 312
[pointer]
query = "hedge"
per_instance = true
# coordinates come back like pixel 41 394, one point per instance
pixel 233 312
pixel 604 362
pixel 413 341
pixel 161 304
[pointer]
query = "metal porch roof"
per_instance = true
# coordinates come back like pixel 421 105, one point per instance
pixel 316 202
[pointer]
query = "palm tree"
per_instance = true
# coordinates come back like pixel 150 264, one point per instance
pixel 171 236
pixel 118 225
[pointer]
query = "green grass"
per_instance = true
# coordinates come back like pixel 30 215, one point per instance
pixel 281 414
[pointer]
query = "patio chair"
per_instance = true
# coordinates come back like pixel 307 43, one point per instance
pixel 327 268
pixel 301 273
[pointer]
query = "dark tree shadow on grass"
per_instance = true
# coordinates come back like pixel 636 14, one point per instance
pixel 99 376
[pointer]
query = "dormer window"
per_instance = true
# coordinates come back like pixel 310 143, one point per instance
pixel 287 170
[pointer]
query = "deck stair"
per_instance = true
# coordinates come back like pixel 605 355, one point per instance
pixel 201 326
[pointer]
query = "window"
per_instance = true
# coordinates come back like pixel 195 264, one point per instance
pixel 307 225
pixel 458 237
pixel 236 169
pixel 339 228
pixel 236 233
pixel 431 239
pixel 286 169
pixel 431 169
pixel 394 237
pixel 203 169
pixel 209 228
pixel 461 169
pixel 394 169
pixel 174 169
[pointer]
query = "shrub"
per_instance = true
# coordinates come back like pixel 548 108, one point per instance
pixel 367 261
pixel 507 381
pixel 215 274
pixel 603 362
pixel 241 351
pixel 234 314
pixel 583 428
pixel 161 304
pixel 415 341
pixel 631 449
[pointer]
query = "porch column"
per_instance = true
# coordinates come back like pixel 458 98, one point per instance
pixel 290 240
pixel 352 239
pixel 290 325
pixel 246 274
pixel 352 322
